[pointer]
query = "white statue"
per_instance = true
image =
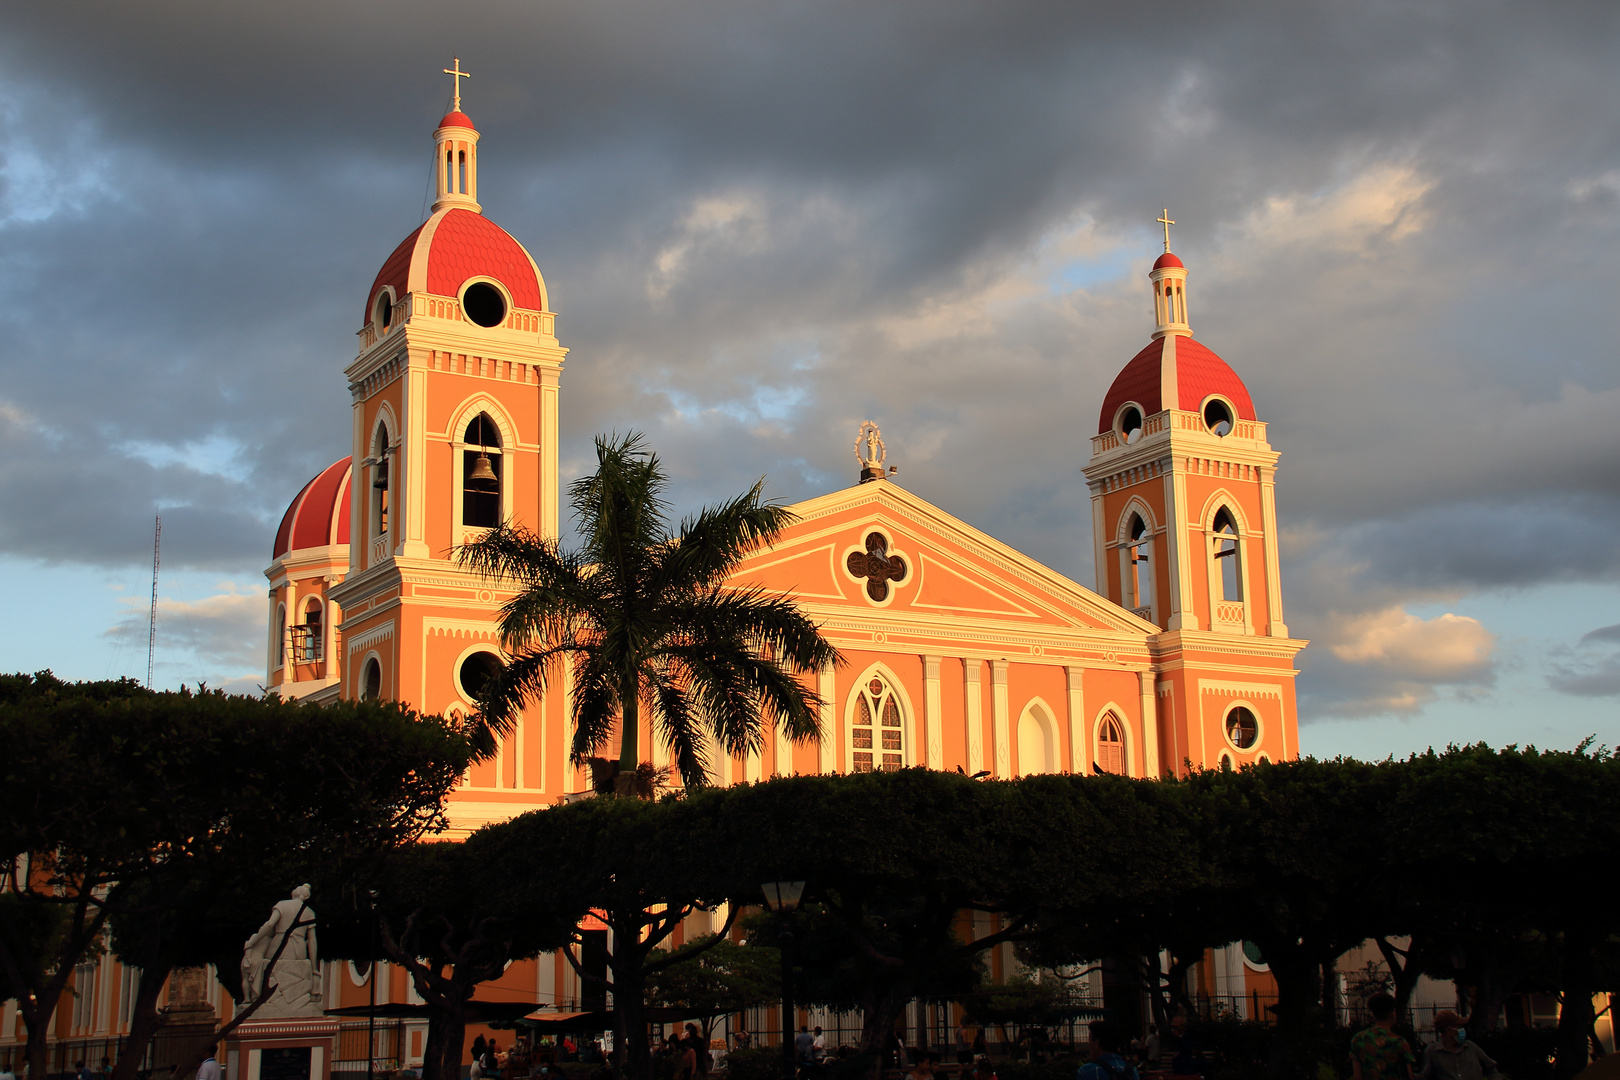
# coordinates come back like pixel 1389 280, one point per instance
pixel 296 977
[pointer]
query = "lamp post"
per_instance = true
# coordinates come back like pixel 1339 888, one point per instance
pixel 782 897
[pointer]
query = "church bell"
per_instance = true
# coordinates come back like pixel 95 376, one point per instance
pixel 482 471
pixel 381 482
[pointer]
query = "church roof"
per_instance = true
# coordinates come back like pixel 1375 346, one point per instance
pixel 1177 361
pixel 448 248
pixel 456 119
pixel 319 515
pixel 1168 259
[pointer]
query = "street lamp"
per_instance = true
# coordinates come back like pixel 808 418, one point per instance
pixel 782 897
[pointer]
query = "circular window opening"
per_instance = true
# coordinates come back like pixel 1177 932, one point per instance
pixel 385 310
pixel 1242 728
pixel 1255 958
pixel 484 304
pixel 1218 416
pixel 1130 424
pixel 371 681
pixel 476 671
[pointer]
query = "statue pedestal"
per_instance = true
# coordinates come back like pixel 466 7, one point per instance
pixel 290 1048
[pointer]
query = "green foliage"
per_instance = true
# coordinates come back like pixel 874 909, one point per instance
pixel 646 615
pixel 181 816
pixel 716 975
pixel 757 1063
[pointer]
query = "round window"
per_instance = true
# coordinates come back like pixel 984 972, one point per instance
pixel 484 304
pixel 1218 416
pixel 1130 423
pixel 476 671
pixel 1252 953
pixel 385 310
pixel 1242 728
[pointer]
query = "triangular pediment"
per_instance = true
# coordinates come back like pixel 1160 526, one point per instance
pixel 934 567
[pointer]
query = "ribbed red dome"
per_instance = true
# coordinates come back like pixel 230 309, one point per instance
pixel 1167 259
pixel 456 119
pixel 319 516
pixel 1198 373
pixel 451 246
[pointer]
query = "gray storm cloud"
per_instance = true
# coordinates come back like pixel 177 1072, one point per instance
pixel 762 223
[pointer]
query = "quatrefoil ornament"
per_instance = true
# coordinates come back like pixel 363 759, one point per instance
pixel 877 566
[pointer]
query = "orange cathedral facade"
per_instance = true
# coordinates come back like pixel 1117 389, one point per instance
pixel 961 652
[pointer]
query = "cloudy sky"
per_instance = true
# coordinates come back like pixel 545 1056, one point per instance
pixel 762 222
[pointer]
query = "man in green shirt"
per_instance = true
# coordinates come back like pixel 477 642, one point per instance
pixel 1378 1053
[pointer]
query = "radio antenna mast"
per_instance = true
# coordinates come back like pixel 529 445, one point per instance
pixel 151 628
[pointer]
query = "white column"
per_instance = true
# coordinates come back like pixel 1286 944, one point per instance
pixel 1150 725
pixel 329 643
pixel 1275 627
pixel 1079 729
pixel 831 736
pixel 932 734
pixel 783 763
pixel 1178 537
pixel 998 718
pixel 1099 541
pixel 565 733
pixel 413 463
pixel 548 376
pixel 973 671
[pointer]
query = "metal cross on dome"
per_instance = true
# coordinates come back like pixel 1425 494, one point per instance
pixel 1165 220
pixel 877 566
pixel 459 74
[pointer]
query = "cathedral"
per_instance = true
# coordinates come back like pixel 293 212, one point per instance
pixel 961 652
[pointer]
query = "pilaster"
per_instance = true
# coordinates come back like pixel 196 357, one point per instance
pixel 1275 626
pixel 1079 741
pixel 998 719
pixel 1150 724
pixel 972 676
pixel 932 734
pixel 826 751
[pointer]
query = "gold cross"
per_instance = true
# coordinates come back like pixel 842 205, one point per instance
pixel 1165 221
pixel 459 74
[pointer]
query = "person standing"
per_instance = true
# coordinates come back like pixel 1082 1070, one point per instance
pixel 209 1069
pixel 818 1048
pixel 804 1044
pixel 1106 1060
pixel 1452 1056
pixel 1378 1053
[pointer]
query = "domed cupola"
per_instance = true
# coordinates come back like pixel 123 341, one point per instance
pixel 1182 483
pixel 1173 371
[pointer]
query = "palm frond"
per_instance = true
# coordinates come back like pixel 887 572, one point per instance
pixel 768 621
pixel 596 707
pixel 710 545
pixel 676 722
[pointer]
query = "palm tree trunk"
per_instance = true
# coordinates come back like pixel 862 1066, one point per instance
pixel 630 726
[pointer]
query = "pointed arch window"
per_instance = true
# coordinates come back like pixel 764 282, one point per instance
pixel 381 483
pixel 1111 745
pixel 1139 568
pixel 877 729
pixel 1228 555
pixel 481 472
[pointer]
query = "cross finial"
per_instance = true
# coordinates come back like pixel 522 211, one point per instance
pixel 459 74
pixel 1164 220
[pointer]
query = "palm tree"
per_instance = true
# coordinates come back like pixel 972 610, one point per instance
pixel 648 619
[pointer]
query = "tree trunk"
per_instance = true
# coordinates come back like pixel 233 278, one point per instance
pixel 38 1015
pixel 452 1040
pixel 882 1008
pixel 144 1022
pixel 433 1050
pixel 1296 972
pixel 1404 974
pixel 630 726
pixel 1575 1017
pixel 631 1053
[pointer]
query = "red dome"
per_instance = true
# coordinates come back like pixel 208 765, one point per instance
pixel 456 119
pixel 1179 369
pixel 452 246
pixel 1167 259
pixel 319 516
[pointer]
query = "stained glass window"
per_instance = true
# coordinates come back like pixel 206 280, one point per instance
pixel 883 748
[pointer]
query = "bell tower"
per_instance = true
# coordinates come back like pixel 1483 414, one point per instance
pixel 455 432
pixel 1182 481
